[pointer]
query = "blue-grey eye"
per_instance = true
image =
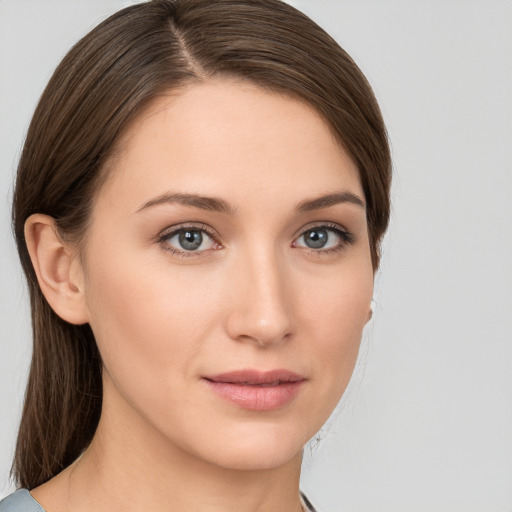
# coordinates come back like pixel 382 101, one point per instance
pixel 189 240
pixel 321 237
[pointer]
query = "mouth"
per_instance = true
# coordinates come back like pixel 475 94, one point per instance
pixel 256 390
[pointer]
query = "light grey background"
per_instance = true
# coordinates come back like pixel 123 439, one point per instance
pixel 426 424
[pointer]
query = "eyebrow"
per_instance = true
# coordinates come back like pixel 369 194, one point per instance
pixel 330 200
pixel 219 205
pixel 212 204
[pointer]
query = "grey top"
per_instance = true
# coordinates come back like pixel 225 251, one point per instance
pixel 22 501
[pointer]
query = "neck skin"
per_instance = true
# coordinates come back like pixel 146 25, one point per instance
pixel 131 469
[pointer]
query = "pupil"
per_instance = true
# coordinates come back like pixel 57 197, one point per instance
pixel 316 238
pixel 190 240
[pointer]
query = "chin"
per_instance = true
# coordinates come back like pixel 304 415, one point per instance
pixel 262 459
pixel 254 447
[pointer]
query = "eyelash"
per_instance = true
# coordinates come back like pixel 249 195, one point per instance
pixel 346 238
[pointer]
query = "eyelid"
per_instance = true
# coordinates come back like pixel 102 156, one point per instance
pixel 322 224
pixel 199 226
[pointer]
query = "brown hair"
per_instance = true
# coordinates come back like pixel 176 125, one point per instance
pixel 102 84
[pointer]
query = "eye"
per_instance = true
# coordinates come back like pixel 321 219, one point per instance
pixel 188 239
pixel 324 238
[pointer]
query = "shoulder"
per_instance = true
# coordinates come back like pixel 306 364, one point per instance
pixel 20 501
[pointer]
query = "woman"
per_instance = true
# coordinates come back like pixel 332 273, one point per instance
pixel 198 210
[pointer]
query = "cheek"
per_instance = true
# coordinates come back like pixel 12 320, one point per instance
pixel 335 317
pixel 338 303
pixel 148 321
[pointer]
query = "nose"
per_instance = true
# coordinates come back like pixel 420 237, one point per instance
pixel 261 301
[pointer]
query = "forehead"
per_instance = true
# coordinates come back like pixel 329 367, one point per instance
pixel 228 138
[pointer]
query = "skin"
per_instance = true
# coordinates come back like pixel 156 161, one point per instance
pixel 253 296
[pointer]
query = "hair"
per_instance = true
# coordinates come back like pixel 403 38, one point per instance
pixel 105 81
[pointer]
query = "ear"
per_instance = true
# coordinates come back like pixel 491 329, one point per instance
pixel 58 269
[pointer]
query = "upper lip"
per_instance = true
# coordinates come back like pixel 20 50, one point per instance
pixel 252 376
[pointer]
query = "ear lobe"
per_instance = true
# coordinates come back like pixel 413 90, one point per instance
pixel 58 269
pixel 370 311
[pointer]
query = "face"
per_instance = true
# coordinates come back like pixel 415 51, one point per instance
pixel 227 275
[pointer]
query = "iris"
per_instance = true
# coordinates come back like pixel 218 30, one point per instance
pixel 190 240
pixel 316 238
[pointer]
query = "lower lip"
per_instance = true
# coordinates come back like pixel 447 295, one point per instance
pixel 257 397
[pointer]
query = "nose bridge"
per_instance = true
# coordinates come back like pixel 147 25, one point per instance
pixel 261 309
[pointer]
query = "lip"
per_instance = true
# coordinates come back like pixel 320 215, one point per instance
pixel 257 390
